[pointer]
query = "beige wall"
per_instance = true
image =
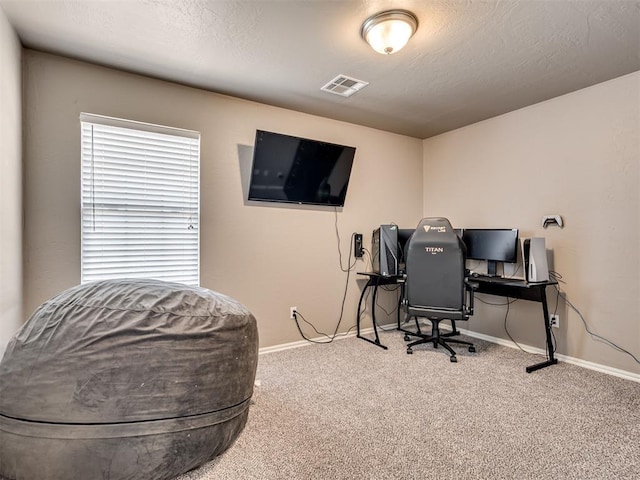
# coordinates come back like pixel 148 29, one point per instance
pixel 267 257
pixel 575 155
pixel 10 182
pixel 578 156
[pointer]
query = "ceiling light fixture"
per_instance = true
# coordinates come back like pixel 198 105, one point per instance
pixel 389 31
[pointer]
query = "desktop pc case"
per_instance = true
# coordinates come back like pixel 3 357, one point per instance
pixel 384 250
pixel 534 259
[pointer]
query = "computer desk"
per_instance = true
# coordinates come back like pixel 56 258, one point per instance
pixel 520 289
pixel 502 287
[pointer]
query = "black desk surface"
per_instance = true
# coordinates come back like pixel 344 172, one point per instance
pixel 511 287
pixel 375 277
pixel 516 282
pixel 482 280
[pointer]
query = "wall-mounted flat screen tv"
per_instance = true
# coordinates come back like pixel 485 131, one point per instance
pixel 299 170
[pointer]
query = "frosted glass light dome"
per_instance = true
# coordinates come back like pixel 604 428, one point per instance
pixel 387 32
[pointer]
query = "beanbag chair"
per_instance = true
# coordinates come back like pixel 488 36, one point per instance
pixel 125 379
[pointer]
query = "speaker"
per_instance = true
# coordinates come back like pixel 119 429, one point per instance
pixel 384 250
pixel 534 259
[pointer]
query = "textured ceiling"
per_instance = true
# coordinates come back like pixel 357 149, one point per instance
pixel 469 60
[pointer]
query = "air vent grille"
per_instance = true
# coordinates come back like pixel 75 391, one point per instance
pixel 344 86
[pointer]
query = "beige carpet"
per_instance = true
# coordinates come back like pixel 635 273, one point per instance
pixel 350 410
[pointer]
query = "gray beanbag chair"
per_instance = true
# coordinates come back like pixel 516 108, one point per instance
pixel 125 379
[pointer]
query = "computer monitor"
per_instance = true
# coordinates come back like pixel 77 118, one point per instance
pixel 491 244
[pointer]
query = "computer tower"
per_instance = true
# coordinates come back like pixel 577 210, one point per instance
pixel 534 259
pixel 384 250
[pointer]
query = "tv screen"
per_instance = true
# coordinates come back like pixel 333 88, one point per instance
pixel 299 170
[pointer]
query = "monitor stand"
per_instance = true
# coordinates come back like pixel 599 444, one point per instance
pixel 492 268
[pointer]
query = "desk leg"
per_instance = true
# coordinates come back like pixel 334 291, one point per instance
pixel 400 305
pixel 547 328
pixel 364 290
pixel 374 284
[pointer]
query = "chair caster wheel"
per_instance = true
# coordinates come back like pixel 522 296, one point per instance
pixel 453 359
pixel 406 338
pixel 409 351
pixel 472 349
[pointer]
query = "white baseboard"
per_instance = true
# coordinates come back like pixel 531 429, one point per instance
pixel 634 377
pixel 616 372
pixel 304 343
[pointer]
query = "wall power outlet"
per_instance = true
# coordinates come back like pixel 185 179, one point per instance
pixel 554 320
pixel 292 312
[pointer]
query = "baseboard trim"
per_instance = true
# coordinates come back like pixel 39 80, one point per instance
pixel 304 343
pixel 616 372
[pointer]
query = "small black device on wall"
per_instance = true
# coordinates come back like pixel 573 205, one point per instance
pixel 299 170
pixel 358 250
pixel 384 250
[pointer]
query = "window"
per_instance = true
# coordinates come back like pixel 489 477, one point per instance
pixel 140 201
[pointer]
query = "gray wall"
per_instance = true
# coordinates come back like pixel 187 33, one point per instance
pixel 578 156
pixel 267 257
pixel 575 155
pixel 10 182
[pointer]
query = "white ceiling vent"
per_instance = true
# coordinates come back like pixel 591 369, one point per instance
pixel 344 86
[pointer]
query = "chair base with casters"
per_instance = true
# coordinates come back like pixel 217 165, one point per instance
pixel 418 333
pixel 436 337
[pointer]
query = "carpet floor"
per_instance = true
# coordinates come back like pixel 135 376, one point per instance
pixel 350 410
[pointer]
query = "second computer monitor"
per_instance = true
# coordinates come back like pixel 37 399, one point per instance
pixel 493 245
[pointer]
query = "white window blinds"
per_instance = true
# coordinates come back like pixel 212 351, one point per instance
pixel 140 201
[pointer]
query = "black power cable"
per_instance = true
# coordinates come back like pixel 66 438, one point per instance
pixel 506 316
pixel 330 338
pixel 556 276
pixel 560 294
pixel 350 248
pixel 348 270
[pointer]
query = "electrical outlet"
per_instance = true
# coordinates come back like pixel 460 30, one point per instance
pixel 292 312
pixel 554 320
pixel 357 245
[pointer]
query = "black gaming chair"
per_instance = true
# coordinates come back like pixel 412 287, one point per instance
pixel 436 285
